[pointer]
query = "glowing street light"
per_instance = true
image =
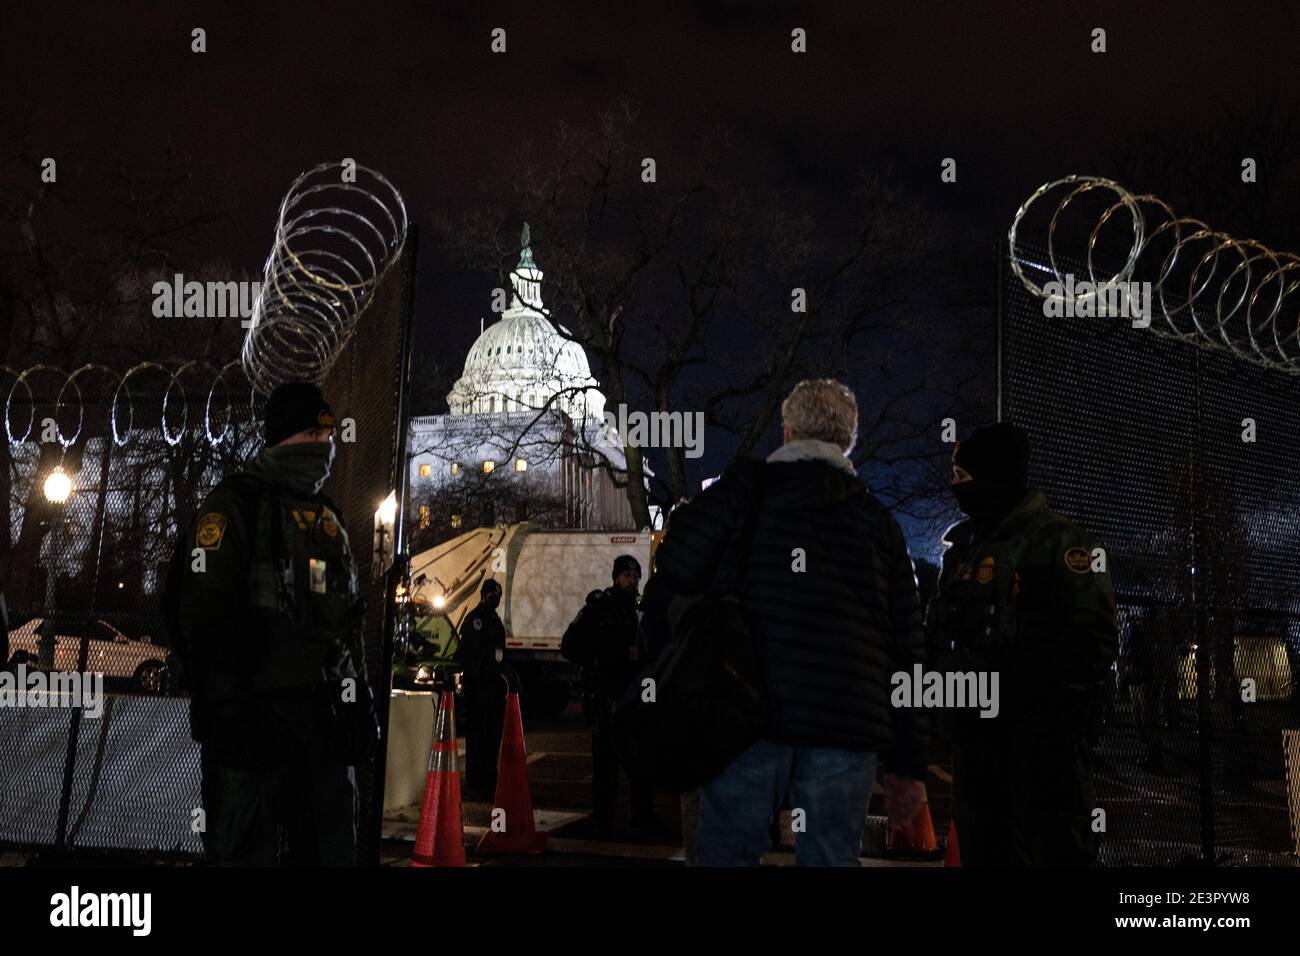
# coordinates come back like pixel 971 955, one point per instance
pixel 58 486
pixel 385 532
pixel 388 509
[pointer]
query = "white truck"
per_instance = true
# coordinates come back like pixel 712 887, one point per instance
pixel 545 577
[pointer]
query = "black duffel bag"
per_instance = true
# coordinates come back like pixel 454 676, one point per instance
pixel 700 703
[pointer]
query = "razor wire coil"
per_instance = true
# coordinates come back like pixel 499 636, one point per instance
pixel 1208 288
pixel 335 238
pixel 62 393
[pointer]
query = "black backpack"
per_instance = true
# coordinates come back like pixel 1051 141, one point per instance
pixel 710 704
pixel 248 491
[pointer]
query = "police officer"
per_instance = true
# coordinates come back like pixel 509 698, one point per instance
pixel 1024 592
pixel 270 611
pixel 603 640
pixel 482 656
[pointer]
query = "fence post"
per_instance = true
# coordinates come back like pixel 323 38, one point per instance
pixel 1204 658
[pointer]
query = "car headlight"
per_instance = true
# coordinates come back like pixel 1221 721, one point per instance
pixel 423 675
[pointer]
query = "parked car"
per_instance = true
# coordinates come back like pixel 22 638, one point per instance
pixel 110 652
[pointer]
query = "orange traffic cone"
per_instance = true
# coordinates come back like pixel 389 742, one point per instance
pixel 439 840
pixel 952 857
pixel 916 837
pixel 513 806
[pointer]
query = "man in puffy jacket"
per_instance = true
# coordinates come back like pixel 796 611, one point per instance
pixel 831 599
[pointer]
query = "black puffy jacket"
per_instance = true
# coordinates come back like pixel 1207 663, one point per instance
pixel 602 639
pixel 829 636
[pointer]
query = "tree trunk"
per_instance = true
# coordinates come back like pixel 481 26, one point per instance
pixel 94 555
pixel 676 456
pixel 636 494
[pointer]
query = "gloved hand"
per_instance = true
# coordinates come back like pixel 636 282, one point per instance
pixel 361 723
pixel 904 798
pixel 512 678
pixel 231 724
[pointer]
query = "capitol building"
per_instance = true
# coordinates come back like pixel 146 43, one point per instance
pixel 525 436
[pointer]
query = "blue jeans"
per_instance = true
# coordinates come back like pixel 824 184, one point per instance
pixel 831 786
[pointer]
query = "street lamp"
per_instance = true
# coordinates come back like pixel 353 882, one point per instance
pixel 385 531
pixel 58 486
pixel 388 509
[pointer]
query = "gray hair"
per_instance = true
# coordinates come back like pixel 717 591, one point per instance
pixel 823 409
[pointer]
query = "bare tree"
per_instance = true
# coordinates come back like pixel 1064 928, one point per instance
pixel 696 292
pixel 70 255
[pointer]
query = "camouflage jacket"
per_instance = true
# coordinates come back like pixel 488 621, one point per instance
pixel 1033 602
pixel 278 608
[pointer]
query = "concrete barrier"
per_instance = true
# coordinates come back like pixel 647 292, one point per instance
pixel 410 735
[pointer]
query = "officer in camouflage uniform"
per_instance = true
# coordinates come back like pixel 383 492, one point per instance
pixel 1023 592
pixel 270 611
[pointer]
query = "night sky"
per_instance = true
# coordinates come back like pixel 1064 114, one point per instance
pixel 1011 90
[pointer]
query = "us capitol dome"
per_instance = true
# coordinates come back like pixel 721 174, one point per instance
pixel 524 438
pixel 523 361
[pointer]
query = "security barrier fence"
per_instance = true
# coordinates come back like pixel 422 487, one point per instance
pixel 1181 459
pixel 91 524
pixel 89 554
pixel 368 383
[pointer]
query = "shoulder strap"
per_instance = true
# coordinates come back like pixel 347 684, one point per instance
pixel 745 536
pixel 247 490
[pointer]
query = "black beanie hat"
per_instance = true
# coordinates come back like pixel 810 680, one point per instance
pixel 625 562
pixel 489 585
pixel 996 455
pixel 295 407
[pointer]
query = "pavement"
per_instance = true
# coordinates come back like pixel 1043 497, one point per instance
pixel 559 775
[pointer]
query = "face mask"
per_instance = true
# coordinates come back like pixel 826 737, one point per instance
pixel 983 501
pixel 302 467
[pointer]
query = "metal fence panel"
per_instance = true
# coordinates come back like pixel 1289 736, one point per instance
pixel 1139 438
pixel 95 564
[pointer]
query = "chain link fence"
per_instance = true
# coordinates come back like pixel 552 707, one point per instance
pixel 1181 460
pixel 92 519
pixel 369 384
pixel 86 561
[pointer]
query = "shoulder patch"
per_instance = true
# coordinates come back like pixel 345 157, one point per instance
pixel 211 529
pixel 1078 560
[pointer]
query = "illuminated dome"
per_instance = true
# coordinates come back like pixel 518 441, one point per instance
pixel 522 361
